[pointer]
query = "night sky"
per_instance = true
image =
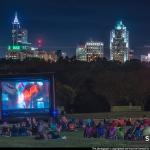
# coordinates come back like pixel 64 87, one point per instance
pixel 67 23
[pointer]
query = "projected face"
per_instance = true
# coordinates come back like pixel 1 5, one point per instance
pixel 25 95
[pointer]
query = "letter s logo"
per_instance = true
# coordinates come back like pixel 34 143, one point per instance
pixel 147 138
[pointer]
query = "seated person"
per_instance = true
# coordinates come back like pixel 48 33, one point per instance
pixel 120 133
pixel 55 130
pixel 129 135
pixel 112 132
pixel 138 133
pixel 5 129
pixel 100 131
pixel 146 121
pixel 88 131
pixel 71 126
pixel 80 123
pixel 59 128
pixel 23 130
pixel 34 129
pixel 94 132
pixel 64 122
pixel 14 130
pixel 42 131
pixel 128 122
pixel 0 132
pixel 53 127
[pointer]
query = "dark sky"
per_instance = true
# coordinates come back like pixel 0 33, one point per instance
pixel 66 23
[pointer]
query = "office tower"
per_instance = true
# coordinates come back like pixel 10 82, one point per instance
pixel 81 54
pixel 94 50
pixel 16 38
pixel 91 51
pixel 119 43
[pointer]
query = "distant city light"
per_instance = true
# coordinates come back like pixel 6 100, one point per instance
pixel 39 42
pixel 14 47
pixel 145 58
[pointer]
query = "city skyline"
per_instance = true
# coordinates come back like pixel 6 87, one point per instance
pixel 67 23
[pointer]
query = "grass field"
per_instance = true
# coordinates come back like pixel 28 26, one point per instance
pixel 74 139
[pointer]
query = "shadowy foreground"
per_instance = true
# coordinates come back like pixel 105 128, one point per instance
pixel 74 139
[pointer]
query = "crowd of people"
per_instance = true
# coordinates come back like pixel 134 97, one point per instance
pixel 31 127
pixel 120 129
pixel 117 129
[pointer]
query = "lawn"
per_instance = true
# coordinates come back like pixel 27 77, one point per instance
pixel 74 139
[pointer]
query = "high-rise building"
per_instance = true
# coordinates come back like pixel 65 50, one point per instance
pixel 19 35
pixel 19 40
pixel 119 43
pixel 94 50
pixel 91 51
pixel 16 38
pixel 81 54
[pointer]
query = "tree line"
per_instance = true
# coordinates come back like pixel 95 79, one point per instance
pixel 83 87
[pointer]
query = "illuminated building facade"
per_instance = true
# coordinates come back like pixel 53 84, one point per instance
pixel 22 55
pixel 94 50
pixel 19 37
pixel 81 54
pixel 90 52
pixel 19 41
pixel 119 43
pixel 46 56
pixel 145 58
pixel 16 38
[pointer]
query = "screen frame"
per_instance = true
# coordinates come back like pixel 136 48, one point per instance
pixel 30 77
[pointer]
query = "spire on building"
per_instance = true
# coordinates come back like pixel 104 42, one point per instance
pixel 16 21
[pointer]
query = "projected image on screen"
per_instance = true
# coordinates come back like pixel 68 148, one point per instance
pixel 25 95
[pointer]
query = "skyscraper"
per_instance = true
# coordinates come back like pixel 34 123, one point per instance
pixel 19 35
pixel 16 31
pixel 119 43
pixel 94 50
pixel 81 53
pixel 19 40
pixel 91 51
